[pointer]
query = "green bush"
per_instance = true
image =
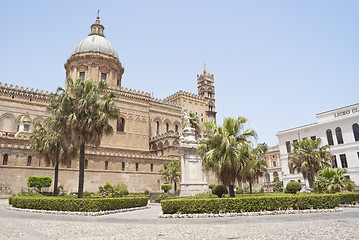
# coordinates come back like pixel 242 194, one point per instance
pixel 293 187
pixel 250 204
pixel 77 204
pixel 166 187
pixel 39 182
pixel 240 191
pixel 211 186
pixel 205 195
pixel 118 190
pixel 349 198
pixel 219 190
pixel 147 192
pixel 163 196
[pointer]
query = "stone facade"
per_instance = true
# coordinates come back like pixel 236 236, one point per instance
pixel 146 136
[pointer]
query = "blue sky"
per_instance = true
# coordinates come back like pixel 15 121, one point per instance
pixel 278 63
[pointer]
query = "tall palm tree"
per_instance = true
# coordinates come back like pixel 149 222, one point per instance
pixel 171 172
pixel 308 157
pixel 254 167
pixel 222 152
pixel 87 107
pixel 50 143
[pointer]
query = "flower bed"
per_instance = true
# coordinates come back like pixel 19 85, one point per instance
pixel 77 204
pixel 250 204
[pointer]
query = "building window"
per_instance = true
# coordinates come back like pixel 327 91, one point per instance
pixel 209 94
pixel 334 163
pixel 82 76
pixel 330 137
pixel 151 167
pixel 136 167
pixel 343 160
pixel 313 138
pixel 358 155
pixel 201 119
pixel 176 128
pixel 103 77
pixel 106 165
pixel 338 132
pixel 68 165
pixel 273 156
pixel 287 144
pixel 356 132
pixel 275 174
pixel 210 108
pixel 157 128
pixel 121 125
pixel 274 163
pixel 118 82
pixel 267 177
pixel 29 158
pixel 123 166
pixel 5 158
pixel 86 164
pixel 167 127
pixel 294 141
pixel 26 128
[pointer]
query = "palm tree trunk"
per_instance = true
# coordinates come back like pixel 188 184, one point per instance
pixel 310 180
pixel 231 190
pixel 250 187
pixel 81 171
pixel 175 185
pixel 56 175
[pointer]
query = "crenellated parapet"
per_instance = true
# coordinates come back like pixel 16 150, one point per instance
pixel 23 93
pixel 174 98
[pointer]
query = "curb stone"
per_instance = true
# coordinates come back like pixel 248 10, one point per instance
pixel 92 214
pixel 278 212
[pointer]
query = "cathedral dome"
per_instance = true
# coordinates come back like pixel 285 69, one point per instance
pixel 95 43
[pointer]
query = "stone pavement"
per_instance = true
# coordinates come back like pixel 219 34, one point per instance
pixel 144 224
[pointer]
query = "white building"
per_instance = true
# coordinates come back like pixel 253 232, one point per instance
pixel 339 129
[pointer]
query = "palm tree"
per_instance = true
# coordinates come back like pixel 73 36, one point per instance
pixel 308 157
pixel 223 151
pixel 51 145
pixel 87 108
pixel 171 172
pixel 332 180
pixel 194 122
pixel 254 167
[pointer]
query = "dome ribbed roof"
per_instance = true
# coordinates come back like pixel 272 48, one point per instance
pixel 95 43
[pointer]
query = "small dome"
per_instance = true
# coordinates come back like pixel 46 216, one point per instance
pixel 25 119
pixel 95 43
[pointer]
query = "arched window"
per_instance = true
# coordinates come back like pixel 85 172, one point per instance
pixel 157 128
pixel 274 163
pixel 123 166
pixel 167 127
pixel 210 108
pixel 356 131
pixel 176 128
pixel 121 125
pixel 86 164
pixel 275 174
pixel 5 158
pixel 330 137
pixel 29 158
pixel 151 167
pixel 338 132
pixel 267 178
pixel 106 165
pixel 136 166
pixel 209 94
pixel 68 163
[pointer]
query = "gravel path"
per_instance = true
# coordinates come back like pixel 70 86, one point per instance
pixel 144 224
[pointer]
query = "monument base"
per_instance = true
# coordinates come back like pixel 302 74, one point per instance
pixel 189 190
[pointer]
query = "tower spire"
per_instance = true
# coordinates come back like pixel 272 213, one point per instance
pixel 204 69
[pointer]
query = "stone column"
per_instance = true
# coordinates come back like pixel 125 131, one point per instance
pixel 192 178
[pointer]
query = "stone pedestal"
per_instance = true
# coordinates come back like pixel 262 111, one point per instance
pixel 192 178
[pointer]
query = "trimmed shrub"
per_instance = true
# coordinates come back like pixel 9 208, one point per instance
pixel 39 182
pixel 349 198
pixel 147 192
pixel 166 187
pixel 250 204
pixel 293 187
pixel 211 186
pixel 240 191
pixel 77 204
pixel 219 190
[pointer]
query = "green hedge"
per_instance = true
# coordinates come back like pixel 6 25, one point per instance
pixel 349 198
pixel 250 204
pixel 77 204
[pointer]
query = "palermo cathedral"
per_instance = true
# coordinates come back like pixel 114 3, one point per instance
pixel 146 136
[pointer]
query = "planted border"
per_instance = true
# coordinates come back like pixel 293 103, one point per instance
pixel 77 204
pixel 250 204
pixel 349 198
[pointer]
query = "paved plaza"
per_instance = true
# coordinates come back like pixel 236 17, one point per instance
pixel 144 224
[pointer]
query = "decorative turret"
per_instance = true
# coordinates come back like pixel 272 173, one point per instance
pixel 97 28
pixel 205 85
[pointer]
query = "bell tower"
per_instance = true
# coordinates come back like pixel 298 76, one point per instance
pixel 205 85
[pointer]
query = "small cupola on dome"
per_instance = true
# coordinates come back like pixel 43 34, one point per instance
pixel 97 28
